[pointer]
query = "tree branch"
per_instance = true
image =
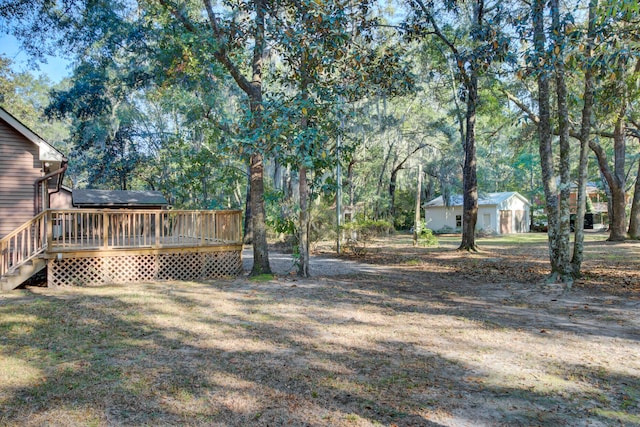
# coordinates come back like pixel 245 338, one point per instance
pixel 524 107
pixel 221 54
pixel 219 51
pixel 536 119
pixel 436 28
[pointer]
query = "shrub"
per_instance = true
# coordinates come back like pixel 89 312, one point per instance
pixel 368 228
pixel 486 232
pixel 446 230
pixel 360 232
pixel 426 237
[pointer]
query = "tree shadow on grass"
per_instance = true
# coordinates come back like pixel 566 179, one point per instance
pixel 515 306
pixel 92 360
pixel 234 354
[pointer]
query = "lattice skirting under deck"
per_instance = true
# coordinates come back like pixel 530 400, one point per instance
pixel 100 270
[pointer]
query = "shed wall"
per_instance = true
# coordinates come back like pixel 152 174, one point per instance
pixel 488 219
pixel 488 216
pixel 441 217
pixel 520 219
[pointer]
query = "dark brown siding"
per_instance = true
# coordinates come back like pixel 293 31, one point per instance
pixel 19 168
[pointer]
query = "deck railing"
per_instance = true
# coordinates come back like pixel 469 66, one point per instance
pixel 22 244
pixel 89 229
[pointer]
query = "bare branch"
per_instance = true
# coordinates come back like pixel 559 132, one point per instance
pixel 436 28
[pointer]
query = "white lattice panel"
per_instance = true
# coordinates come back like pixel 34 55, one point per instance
pixel 131 268
pixel 180 266
pixel 222 264
pixel 76 271
pixel 99 270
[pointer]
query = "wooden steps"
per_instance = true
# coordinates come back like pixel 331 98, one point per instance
pixel 23 273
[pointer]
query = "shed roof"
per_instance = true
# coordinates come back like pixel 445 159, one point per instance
pixel 117 198
pixel 486 199
pixel 46 152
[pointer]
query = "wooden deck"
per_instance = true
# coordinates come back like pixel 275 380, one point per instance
pixel 86 247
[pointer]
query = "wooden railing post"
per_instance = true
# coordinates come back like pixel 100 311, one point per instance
pixel 105 229
pixel 48 221
pixel 157 230
pixel 202 218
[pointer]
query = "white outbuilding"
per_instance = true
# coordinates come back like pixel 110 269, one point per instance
pixel 502 213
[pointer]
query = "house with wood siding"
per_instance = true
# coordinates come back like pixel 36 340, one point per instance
pixel 91 237
pixel 30 171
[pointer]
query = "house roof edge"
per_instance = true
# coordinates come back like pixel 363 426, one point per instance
pixel 46 152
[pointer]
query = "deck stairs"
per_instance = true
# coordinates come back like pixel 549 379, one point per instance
pixel 23 273
pixel 21 253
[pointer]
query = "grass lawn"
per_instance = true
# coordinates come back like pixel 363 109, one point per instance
pixel 426 337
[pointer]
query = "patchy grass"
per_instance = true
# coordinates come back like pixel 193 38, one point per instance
pixel 262 278
pixel 430 337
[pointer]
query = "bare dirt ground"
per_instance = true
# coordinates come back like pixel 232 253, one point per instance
pixel 507 342
pixel 401 336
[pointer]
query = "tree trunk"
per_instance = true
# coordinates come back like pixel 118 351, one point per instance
pixel 634 217
pixel 351 186
pixel 394 178
pixel 585 129
pixel 615 179
pixel 248 218
pixel 617 233
pixel 619 224
pixel 544 139
pixel 469 172
pixel 303 185
pixel 392 192
pixel 607 193
pixel 303 226
pixel 616 195
pixel 378 202
pixel 260 247
pixel 417 222
pixel 470 179
pixel 564 208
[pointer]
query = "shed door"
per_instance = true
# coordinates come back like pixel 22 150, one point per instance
pixel 505 222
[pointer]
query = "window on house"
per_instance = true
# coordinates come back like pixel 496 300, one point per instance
pixel 458 220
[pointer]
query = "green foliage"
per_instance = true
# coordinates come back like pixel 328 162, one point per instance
pixel 426 237
pixel 280 213
pixel 152 108
pixel 366 229
pixel 283 225
pixel 322 226
pixel 405 206
pixel 589 205
pixel 25 97
pixel 359 233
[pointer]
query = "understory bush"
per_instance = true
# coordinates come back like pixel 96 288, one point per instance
pixel 359 233
pixel 447 230
pixel 282 222
pixel 426 237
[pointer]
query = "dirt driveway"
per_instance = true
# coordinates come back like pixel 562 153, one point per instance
pixel 321 265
